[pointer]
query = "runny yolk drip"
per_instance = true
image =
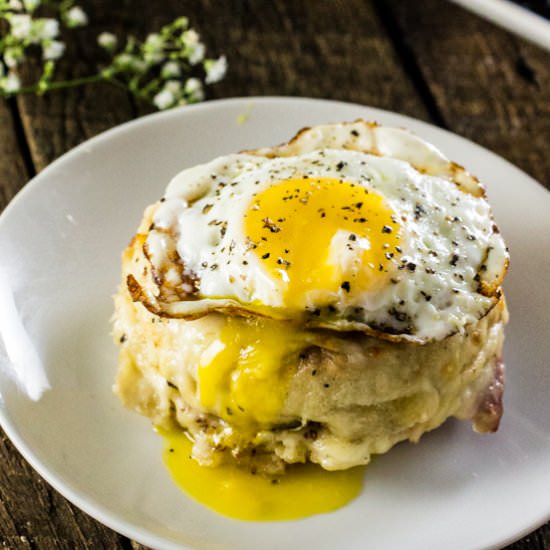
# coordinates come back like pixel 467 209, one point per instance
pixel 323 235
pixel 244 374
pixel 303 491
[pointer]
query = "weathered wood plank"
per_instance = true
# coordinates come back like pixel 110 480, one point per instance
pixel 33 515
pixel 488 85
pixel 338 50
pixel 60 120
pixel 13 172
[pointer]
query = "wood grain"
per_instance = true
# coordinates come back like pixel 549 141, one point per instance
pixel 60 120
pixel 486 84
pixel 337 51
pixel 13 171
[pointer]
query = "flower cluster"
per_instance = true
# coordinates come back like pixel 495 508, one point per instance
pixel 26 30
pixel 168 68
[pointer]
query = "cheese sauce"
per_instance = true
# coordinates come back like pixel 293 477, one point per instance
pixel 305 490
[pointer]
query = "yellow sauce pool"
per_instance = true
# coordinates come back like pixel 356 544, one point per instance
pixel 305 490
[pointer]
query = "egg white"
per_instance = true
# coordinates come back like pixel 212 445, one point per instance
pixel 449 242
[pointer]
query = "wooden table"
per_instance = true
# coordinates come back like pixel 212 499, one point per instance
pixel 429 59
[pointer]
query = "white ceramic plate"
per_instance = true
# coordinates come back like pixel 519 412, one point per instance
pixel 60 242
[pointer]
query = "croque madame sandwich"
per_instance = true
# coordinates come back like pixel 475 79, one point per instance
pixel 317 301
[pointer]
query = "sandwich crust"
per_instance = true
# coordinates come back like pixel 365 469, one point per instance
pixel 350 395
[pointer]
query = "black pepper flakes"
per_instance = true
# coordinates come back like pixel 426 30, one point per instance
pixel 387 229
pixel 454 260
pixel 419 211
pixel 266 256
pixel 345 286
pixel 400 316
pixel 427 297
pixel 269 224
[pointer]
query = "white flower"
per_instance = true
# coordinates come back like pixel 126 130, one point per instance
pixel 153 49
pixel 154 41
pixel 129 62
pixel 47 28
pixel 53 50
pixel 15 5
pixel 153 57
pixel 12 57
pixel 31 5
pixel 194 89
pixel 190 38
pixel 196 55
pixel 170 70
pixel 76 17
pixel 215 69
pixel 11 83
pixel 107 40
pixel 164 99
pixel 21 26
pixel 174 87
pixel 195 48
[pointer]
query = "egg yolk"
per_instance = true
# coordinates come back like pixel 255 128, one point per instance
pixel 243 377
pixel 244 374
pixel 304 490
pixel 321 237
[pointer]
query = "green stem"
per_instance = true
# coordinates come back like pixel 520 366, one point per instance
pixel 62 84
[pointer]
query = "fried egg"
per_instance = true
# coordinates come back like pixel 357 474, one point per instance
pixel 347 227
